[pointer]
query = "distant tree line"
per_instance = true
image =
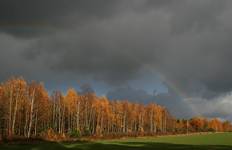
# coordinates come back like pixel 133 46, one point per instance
pixel 27 110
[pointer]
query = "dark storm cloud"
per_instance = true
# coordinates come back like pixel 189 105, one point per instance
pixel 52 10
pixel 130 36
pixel 196 15
pixel 29 17
pixel 188 42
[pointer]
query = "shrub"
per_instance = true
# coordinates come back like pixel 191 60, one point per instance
pixel 211 130
pixel 51 135
pixel 87 131
pixel 74 133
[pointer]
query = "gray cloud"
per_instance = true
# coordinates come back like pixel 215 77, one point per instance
pixel 30 17
pixel 186 42
pixel 219 106
pixel 171 100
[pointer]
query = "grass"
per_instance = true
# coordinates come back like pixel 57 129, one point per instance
pixel 217 141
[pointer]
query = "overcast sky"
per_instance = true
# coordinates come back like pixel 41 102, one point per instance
pixel 177 53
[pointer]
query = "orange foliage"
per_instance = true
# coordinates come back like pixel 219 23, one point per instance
pixel 26 109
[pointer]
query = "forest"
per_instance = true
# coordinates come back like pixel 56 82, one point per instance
pixel 28 110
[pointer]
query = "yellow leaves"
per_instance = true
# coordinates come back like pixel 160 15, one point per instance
pixel 71 93
pixel 71 96
pixel 215 124
pixel 14 86
pixel 197 123
pixel 71 100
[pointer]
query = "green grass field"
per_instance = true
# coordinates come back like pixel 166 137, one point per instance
pixel 218 141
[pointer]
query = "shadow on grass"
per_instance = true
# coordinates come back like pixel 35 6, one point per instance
pixel 110 146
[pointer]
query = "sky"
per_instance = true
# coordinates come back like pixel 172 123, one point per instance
pixel 176 53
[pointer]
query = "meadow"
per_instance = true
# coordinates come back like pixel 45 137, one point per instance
pixel 214 141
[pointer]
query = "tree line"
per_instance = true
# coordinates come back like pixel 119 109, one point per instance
pixel 28 110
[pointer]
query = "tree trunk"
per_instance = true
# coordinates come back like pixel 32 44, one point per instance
pixel 31 114
pixel 15 111
pixel 77 116
pixel 25 126
pixel 10 114
pixel 36 121
pixel 151 122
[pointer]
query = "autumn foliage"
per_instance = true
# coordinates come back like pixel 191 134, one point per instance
pixel 27 110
